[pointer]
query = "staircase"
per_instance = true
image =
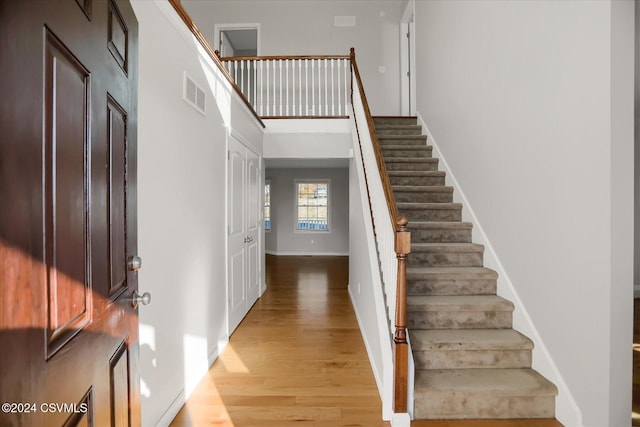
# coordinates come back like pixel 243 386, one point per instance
pixel 470 363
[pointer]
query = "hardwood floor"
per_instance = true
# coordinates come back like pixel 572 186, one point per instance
pixel 298 359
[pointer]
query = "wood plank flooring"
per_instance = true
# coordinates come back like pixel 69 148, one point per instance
pixel 298 359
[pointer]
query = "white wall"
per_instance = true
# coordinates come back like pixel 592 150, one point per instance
pixel 283 239
pixel 307 28
pixel 182 212
pixel 530 104
pixel 365 287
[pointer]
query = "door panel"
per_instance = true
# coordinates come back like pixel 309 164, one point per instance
pixel 254 202
pixel 117 140
pixel 68 217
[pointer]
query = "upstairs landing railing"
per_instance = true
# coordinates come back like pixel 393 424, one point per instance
pixel 293 86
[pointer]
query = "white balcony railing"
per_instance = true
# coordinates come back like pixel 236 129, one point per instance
pixel 293 86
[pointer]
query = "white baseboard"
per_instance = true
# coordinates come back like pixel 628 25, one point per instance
pixel 567 410
pixel 181 398
pixel 400 420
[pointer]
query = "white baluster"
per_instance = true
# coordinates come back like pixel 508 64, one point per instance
pixel 313 87
pixel 300 87
pixel 339 88
pixel 260 93
pixel 326 90
pixel 280 66
pixel 333 103
pixel 306 86
pixel 286 100
pixel 347 69
pixel 266 89
pixel 275 101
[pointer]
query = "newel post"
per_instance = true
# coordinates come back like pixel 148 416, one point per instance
pixel 400 346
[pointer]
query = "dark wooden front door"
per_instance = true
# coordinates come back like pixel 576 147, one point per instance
pixel 68 334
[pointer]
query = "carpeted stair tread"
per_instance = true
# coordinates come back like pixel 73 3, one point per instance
pixel 451 281
pixel 411 163
pixel 398 130
pixel 395 120
pixel 446 254
pixel 501 382
pixel 458 303
pixel 405 160
pixel 417 151
pixel 416 173
pixel 406 205
pixel 468 339
pixel 446 272
pixel 434 225
pixel 422 188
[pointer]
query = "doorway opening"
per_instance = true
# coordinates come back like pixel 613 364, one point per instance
pixel 237 39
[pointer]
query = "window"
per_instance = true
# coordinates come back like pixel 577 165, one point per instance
pixel 312 205
pixel 267 205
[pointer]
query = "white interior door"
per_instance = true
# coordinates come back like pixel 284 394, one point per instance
pixel 244 230
pixel 237 255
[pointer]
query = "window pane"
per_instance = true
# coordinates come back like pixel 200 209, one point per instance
pixel 312 209
pixel 267 206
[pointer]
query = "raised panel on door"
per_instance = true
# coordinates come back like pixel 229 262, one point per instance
pixel 237 251
pixel 68 212
pixel 254 206
pixel 66 143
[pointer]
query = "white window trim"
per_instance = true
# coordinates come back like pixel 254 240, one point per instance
pixel 295 204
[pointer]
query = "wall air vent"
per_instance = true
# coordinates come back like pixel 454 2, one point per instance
pixel 193 94
pixel 344 21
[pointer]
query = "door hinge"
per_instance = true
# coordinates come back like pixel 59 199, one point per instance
pixel 408 35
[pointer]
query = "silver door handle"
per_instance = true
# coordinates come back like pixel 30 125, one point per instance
pixel 143 299
pixel 135 263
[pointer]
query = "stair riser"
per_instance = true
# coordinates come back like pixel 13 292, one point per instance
pixel 467 359
pixel 453 214
pixel 411 166
pixel 483 406
pixel 445 259
pixel 416 180
pixel 423 197
pixel 407 152
pixel 459 319
pixel 400 131
pixel 440 236
pixel 451 286
pixel 418 142
pixel 395 121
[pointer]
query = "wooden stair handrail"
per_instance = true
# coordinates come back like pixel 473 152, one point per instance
pixel 402 248
pixel 382 169
pixel 280 57
pixel 177 6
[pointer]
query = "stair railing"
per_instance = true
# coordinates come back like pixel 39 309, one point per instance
pixel 392 235
pixel 293 86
